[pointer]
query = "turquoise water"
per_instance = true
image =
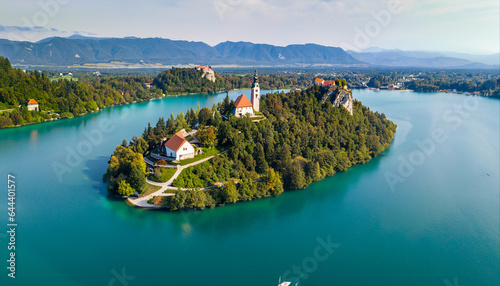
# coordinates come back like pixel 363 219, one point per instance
pixel 424 214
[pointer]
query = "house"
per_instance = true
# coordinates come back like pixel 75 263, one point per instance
pixel 243 106
pixel 148 85
pixel 319 81
pixel 177 147
pixel 33 105
pixel 329 83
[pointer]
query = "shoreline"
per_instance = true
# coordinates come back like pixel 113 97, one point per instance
pixel 114 105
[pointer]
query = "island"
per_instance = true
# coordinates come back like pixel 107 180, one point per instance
pixel 255 147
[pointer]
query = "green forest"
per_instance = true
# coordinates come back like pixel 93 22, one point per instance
pixel 62 98
pixel 301 141
pixel 189 80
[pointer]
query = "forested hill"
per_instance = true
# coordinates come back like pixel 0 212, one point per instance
pixel 59 99
pixel 189 80
pixel 301 140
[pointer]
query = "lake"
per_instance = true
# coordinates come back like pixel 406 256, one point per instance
pixel 426 212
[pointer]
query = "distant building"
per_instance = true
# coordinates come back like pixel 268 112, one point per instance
pixel 329 83
pixel 148 84
pixel 177 147
pixel 33 105
pixel 319 81
pixel 243 106
pixel 208 72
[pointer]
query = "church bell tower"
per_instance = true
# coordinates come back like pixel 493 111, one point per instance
pixel 255 96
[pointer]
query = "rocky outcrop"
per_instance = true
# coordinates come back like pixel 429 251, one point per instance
pixel 340 97
pixel 208 72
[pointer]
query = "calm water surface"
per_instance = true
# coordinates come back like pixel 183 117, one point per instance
pixel 425 213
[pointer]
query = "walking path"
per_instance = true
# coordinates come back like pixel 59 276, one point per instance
pixel 143 201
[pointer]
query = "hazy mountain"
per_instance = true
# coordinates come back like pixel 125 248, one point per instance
pixel 63 51
pixel 289 55
pixel 395 57
pixel 82 50
pixel 78 49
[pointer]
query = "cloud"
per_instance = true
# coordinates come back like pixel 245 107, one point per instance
pixel 36 33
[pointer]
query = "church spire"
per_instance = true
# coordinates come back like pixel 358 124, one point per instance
pixel 255 98
pixel 255 79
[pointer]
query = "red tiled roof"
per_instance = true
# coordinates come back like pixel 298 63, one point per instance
pixel 329 83
pixel 242 101
pixel 32 101
pixel 319 80
pixel 176 141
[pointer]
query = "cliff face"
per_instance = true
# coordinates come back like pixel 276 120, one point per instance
pixel 209 74
pixel 340 97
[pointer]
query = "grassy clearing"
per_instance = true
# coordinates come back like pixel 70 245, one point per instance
pixel 162 175
pixel 68 77
pixel 207 152
pixel 150 189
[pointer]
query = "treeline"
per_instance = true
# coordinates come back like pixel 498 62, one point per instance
pixel 302 140
pixel 59 99
pixel 432 83
pixel 485 82
pixel 189 80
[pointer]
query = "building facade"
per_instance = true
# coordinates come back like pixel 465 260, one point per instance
pixel 243 106
pixel 178 148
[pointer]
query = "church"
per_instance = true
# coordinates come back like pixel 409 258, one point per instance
pixel 243 106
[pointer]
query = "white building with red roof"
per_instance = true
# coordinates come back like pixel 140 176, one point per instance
pixel 319 81
pixel 243 106
pixel 33 105
pixel 177 147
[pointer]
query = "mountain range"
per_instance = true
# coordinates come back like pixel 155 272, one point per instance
pixel 79 50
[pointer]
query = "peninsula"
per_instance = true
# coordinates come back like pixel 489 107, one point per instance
pixel 248 149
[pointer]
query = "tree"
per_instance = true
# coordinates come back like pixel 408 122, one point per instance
pixel 226 106
pixel 205 116
pixel 206 136
pixel 191 117
pixel 313 171
pixel 260 161
pixel 181 122
pixel 273 180
pixel 170 126
pixel 124 189
pixel 137 180
pixel 217 119
pixel 138 145
pixel 229 193
pixel 16 117
pixel 177 201
pixel 295 177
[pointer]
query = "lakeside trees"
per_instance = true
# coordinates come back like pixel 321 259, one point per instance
pixel 61 98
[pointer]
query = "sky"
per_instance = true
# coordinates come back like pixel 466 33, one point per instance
pixel 433 25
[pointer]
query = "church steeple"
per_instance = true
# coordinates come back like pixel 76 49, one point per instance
pixel 255 80
pixel 255 97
